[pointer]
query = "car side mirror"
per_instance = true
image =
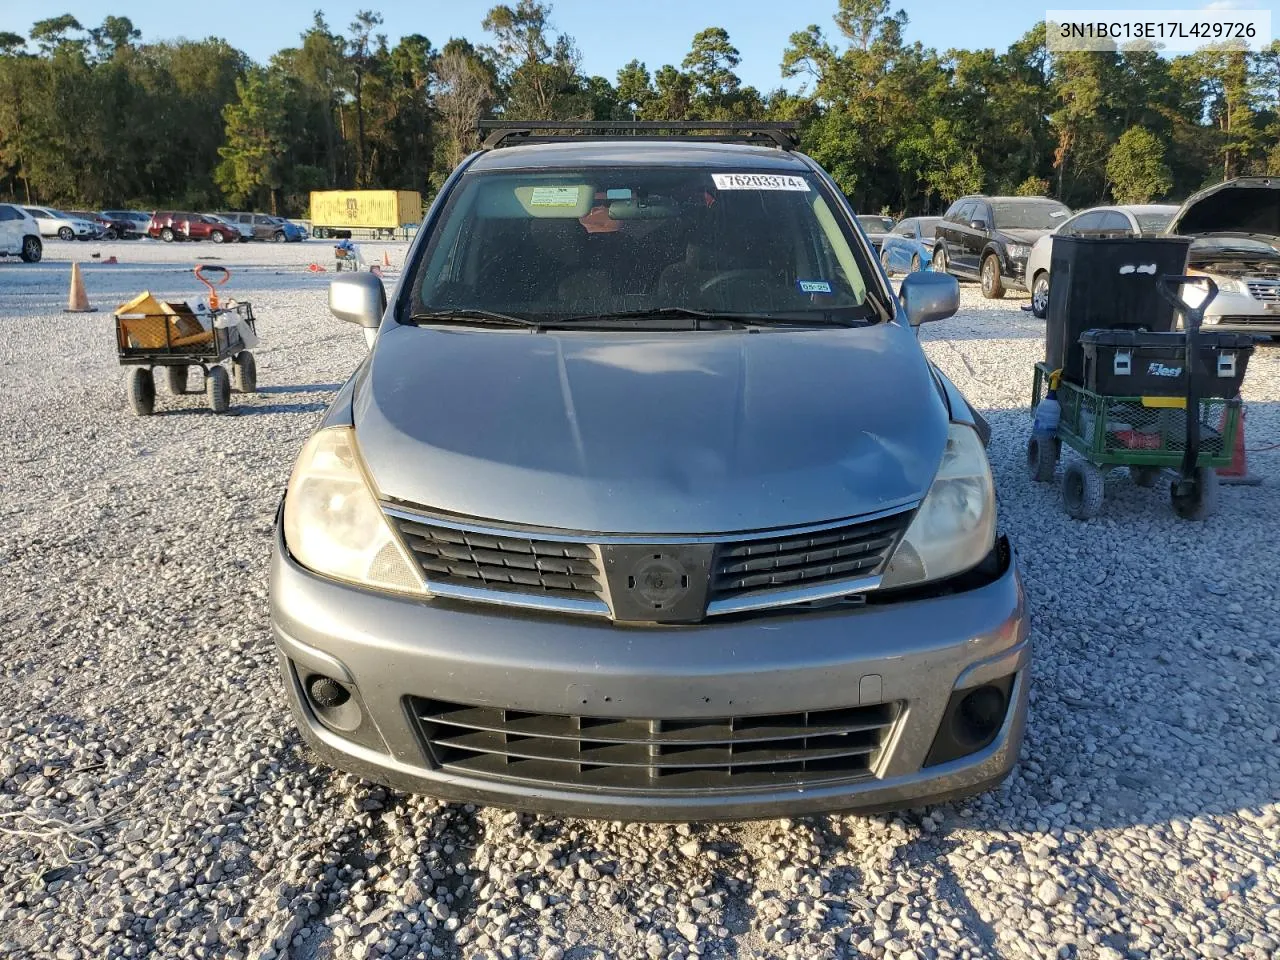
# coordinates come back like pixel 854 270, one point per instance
pixel 978 224
pixel 359 298
pixel 929 296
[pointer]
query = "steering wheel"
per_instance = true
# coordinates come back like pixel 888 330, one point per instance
pixel 722 278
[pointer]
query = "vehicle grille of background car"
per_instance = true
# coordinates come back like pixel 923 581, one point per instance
pixel 1268 291
pixel 585 574
pixel 763 751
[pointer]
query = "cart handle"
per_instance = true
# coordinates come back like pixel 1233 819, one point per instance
pixel 212 283
pixel 1169 284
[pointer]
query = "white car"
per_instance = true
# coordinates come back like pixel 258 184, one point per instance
pixel 244 229
pixel 19 234
pixel 1235 231
pixel 1126 220
pixel 55 223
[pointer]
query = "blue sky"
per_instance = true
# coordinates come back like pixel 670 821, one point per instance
pixel 609 32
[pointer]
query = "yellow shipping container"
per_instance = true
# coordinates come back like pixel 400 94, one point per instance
pixel 380 210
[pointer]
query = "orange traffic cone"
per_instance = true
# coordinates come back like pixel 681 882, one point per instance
pixel 1238 473
pixel 386 259
pixel 77 299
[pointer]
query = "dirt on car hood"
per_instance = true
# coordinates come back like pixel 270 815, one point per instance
pixel 675 432
pixel 1243 205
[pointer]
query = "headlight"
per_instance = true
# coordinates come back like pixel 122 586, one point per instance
pixel 955 526
pixel 1193 294
pixel 332 522
pixel 1019 251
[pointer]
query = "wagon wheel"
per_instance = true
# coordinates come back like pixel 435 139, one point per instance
pixel 245 372
pixel 1197 498
pixel 1083 487
pixel 1144 476
pixel 217 388
pixel 142 391
pixel 177 379
pixel 1042 458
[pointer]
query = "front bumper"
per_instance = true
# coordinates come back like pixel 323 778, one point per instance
pixel 1015 272
pixel 390 649
pixel 1241 313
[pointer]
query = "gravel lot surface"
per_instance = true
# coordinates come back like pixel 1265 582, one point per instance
pixel 155 800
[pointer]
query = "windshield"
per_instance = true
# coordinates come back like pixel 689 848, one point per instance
pixel 929 226
pixel 876 224
pixel 1028 214
pixel 569 243
pixel 1153 222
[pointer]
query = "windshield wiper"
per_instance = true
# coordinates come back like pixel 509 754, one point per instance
pixel 472 315
pixel 734 319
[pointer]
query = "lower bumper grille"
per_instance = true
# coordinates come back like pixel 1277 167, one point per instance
pixel 729 752
pixel 1247 320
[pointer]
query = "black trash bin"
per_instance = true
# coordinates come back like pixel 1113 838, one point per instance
pixel 1107 284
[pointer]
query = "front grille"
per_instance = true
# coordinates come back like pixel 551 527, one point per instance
pixel 729 752
pixel 506 563
pixel 809 559
pixel 1268 291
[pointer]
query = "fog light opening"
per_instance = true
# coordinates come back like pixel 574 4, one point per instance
pixel 980 715
pixel 326 692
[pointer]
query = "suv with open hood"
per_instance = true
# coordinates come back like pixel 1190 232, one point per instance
pixel 1235 231
pixel 646 503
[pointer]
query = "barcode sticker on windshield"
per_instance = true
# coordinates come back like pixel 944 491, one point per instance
pixel 759 181
pixel 554 197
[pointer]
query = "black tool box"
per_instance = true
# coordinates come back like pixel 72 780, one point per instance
pixel 1130 363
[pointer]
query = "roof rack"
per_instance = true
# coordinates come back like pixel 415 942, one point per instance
pixel 507 132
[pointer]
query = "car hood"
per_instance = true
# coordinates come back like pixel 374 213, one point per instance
pixel 611 432
pixel 1029 237
pixel 1243 205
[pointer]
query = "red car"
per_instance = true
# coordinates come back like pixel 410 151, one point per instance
pixel 169 226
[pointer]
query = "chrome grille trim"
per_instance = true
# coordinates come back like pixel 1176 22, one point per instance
pixel 405 512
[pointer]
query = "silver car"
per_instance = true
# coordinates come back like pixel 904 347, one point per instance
pixel 646 504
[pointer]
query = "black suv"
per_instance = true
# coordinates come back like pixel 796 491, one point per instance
pixel 990 238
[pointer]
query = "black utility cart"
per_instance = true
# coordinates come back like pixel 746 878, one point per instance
pixel 1133 391
pixel 153 334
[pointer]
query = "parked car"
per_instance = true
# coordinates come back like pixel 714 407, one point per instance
pixel 264 227
pixel 680 558
pixel 1235 226
pixel 245 230
pixel 909 247
pixel 139 219
pixel 191 226
pixel 293 233
pixel 989 239
pixel 55 223
pixel 1127 220
pixel 876 228
pixel 107 229
pixel 19 234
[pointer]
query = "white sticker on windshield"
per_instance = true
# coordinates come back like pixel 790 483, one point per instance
pixel 554 197
pixel 759 181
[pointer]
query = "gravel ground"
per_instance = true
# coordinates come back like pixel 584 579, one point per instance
pixel 155 801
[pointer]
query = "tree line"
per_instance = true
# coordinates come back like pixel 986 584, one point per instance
pixel 96 116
